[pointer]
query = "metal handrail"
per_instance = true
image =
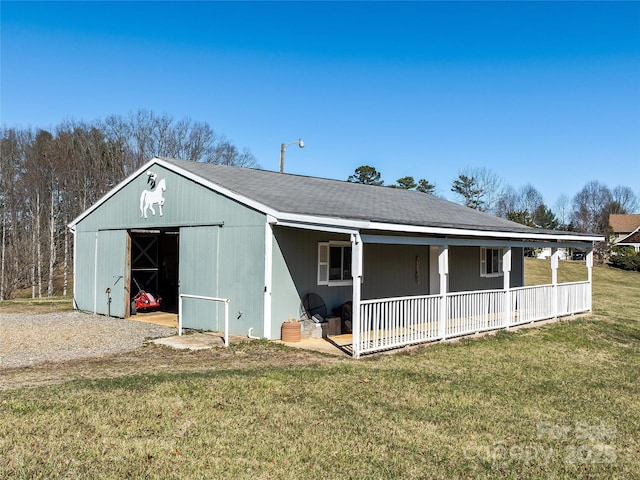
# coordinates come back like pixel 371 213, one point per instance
pixel 214 299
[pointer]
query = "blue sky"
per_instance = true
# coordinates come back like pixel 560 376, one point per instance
pixel 541 93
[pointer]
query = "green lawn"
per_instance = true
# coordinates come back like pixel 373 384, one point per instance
pixel 37 305
pixel 558 401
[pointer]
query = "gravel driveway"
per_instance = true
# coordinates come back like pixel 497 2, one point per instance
pixel 27 339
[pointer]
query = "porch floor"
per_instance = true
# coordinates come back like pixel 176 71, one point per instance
pixel 343 344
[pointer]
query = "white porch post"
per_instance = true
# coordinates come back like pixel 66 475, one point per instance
pixel 268 276
pixel 443 270
pixel 590 276
pixel 506 286
pixel 555 257
pixel 356 275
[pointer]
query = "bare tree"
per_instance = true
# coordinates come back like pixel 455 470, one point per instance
pixel 590 208
pixel 144 135
pixel 625 198
pixel 48 178
pixel 562 209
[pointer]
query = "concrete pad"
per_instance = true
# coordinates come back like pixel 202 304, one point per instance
pixel 335 345
pixel 195 341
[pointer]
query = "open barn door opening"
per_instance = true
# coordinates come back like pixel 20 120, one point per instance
pixel 154 270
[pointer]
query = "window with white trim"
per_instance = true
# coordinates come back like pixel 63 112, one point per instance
pixel 491 262
pixel 334 263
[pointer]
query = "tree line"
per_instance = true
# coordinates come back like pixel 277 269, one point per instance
pixel 49 177
pixel 482 189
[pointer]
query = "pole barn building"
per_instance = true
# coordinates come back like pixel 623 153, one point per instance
pixel 412 267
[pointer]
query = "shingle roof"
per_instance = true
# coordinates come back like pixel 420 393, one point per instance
pixel 633 237
pixel 626 223
pixel 320 197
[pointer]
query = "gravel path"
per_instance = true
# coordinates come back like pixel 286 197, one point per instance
pixel 27 339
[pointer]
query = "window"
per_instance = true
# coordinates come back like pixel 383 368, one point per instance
pixel 491 262
pixel 334 263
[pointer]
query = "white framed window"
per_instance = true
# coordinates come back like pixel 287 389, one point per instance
pixel 334 263
pixel 491 262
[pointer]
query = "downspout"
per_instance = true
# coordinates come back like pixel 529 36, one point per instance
pixel 218 277
pixel 251 335
pixel 356 275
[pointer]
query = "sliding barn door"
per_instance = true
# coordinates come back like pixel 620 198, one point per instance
pixel 199 272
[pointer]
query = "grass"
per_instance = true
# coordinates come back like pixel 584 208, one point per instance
pixel 558 401
pixel 37 305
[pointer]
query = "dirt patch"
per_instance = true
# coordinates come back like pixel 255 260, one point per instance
pixel 58 347
pixel 156 359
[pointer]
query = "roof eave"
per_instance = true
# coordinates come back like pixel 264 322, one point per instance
pixel 302 220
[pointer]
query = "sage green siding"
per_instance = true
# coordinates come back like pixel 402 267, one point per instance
pixel 388 270
pixel 221 250
pixel 186 203
pixel 111 272
pixel 395 271
pixel 464 270
pixel 199 275
pixel 295 273
pixel 84 277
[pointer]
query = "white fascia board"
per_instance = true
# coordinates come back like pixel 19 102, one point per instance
pixel 318 220
pixel 402 240
pixel 112 192
pixel 316 227
pixel 366 225
pixel 481 233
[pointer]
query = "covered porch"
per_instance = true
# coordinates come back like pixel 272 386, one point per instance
pixel 385 323
pixel 408 284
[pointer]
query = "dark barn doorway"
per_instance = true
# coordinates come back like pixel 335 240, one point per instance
pixel 154 265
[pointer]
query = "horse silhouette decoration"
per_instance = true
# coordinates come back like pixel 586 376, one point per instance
pixel 150 197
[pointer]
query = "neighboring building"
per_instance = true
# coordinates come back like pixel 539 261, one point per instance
pixel 415 267
pixel 546 252
pixel 631 240
pixel 623 225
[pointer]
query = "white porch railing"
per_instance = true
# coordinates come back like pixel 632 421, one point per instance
pixel 395 322
pixel 473 312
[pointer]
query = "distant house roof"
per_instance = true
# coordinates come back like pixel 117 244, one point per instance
pixel 632 238
pixel 624 223
pixel 321 197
